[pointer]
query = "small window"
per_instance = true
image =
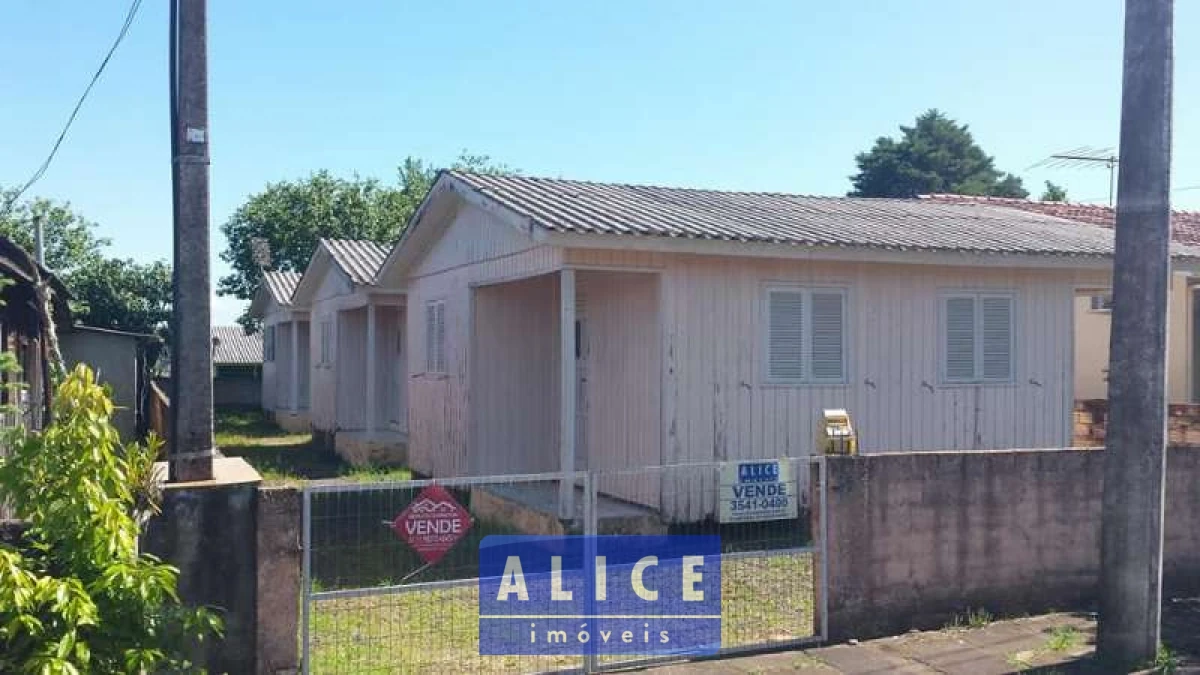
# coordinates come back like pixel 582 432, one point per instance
pixel 806 335
pixel 326 343
pixel 435 336
pixel 1102 302
pixel 977 338
pixel 269 343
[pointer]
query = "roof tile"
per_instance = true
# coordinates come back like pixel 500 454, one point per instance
pixel 231 346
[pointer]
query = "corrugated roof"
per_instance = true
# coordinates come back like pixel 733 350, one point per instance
pixel 1185 225
pixel 763 217
pixel 281 284
pixel 358 258
pixel 231 346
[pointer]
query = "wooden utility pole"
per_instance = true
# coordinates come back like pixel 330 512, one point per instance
pixel 191 444
pixel 1135 458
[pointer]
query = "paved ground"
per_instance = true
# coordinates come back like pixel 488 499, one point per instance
pixel 1052 643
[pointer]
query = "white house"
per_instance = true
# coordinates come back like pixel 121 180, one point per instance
pixel 561 324
pixel 358 381
pixel 285 335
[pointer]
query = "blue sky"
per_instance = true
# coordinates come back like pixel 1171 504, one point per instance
pixel 751 95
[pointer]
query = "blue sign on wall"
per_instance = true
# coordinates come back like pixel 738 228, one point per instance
pixel 574 595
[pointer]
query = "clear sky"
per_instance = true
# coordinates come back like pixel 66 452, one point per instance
pixel 750 95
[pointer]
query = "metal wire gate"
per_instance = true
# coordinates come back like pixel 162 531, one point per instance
pixel 372 603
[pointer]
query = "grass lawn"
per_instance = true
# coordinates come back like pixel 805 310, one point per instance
pixel 763 600
pixel 286 458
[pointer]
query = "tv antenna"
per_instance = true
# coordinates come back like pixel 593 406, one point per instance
pixel 1085 157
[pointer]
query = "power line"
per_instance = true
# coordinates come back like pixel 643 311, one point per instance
pixel 41 170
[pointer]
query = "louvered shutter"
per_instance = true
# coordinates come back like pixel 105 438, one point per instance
pixel 960 338
pixel 785 335
pixel 996 347
pixel 430 337
pixel 828 341
pixel 441 337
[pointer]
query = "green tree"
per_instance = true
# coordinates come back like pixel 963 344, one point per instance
pixel 287 218
pixel 1054 193
pixel 76 596
pixel 123 294
pixel 935 155
pixel 107 292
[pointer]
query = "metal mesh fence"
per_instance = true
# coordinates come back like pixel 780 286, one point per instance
pixel 374 605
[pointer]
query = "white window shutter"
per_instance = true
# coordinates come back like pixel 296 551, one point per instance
pixel 960 338
pixel 441 337
pixel 785 335
pixel 997 325
pixel 430 337
pixel 828 340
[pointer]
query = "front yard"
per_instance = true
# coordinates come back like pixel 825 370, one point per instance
pixel 286 458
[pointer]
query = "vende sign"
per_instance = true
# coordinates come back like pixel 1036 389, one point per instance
pixel 432 524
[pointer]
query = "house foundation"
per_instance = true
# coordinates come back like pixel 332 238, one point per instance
pixel 361 448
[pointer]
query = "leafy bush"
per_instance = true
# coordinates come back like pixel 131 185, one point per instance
pixel 77 596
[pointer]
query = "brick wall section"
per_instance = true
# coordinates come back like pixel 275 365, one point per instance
pixel 918 538
pixel 1091 417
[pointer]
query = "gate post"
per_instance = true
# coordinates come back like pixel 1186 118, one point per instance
pixel 305 580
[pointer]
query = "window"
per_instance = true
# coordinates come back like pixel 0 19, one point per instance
pixel 435 336
pixel 806 335
pixel 977 341
pixel 326 343
pixel 269 343
pixel 1102 302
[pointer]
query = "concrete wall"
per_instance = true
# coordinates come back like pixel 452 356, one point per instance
pixel 1091 346
pixel 917 538
pixel 114 358
pixel 278 591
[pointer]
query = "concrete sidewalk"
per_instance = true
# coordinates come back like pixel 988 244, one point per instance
pixel 1051 643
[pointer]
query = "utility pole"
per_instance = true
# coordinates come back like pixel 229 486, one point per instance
pixel 1135 457
pixel 190 449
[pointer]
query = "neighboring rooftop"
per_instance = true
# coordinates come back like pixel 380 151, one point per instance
pixel 1185 225
pixel 360 259
pixel 232 347
pixel 281 284
pixel 580 207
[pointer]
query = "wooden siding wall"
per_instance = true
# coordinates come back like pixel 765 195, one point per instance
pixel 283 366
pixel 621 411
pixel 304 368
pixel 474 249
pixel 514 377
pixel 272 317
pixel 389 397
pixel 716 406
pixel 323 399
pixel 351 368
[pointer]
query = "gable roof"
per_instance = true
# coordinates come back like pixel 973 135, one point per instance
pixel 587 208
pixel 231 346
pixel 281 284
pixel 1185 225
pixel 358 258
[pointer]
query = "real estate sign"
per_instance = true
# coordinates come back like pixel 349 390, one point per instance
pixel 758 490
pixel 432 524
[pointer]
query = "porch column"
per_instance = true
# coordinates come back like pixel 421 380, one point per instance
pixel 566 395
pixel 295 364
pixel 372 368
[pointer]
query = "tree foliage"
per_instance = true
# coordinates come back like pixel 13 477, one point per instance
pixel 77 596
pixel 289 217
pixel 935 155
pixel 107 292
pixel 1054 193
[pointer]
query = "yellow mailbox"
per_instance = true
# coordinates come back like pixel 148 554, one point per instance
pixel 836 435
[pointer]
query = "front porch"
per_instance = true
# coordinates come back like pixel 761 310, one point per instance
pixel 372 383
pixel 566 375
pixel 533 508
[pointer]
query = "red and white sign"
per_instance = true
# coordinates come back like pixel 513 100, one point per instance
pixel 432 524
